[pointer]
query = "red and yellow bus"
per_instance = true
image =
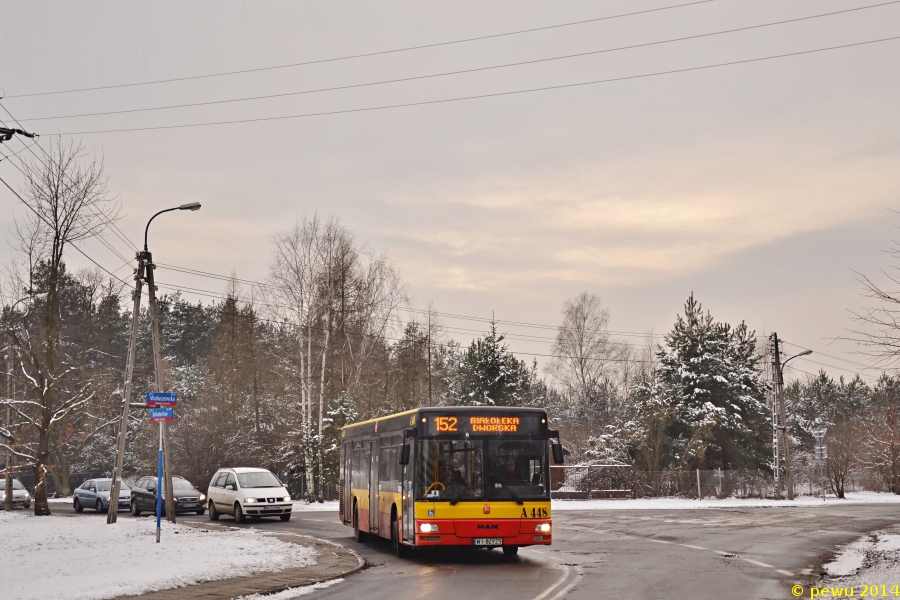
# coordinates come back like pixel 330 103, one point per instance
pixel 450 476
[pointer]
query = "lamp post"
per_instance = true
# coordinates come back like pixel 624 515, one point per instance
pixel 144 273
pixel 8 493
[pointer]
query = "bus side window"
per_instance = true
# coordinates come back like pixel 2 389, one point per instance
pixel 384 470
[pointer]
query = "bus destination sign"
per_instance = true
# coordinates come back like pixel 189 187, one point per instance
pixel 461 424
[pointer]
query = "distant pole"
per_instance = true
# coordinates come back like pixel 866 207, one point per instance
pixel 8 495
pixel 776 450
pixel 699 493
pixel 113 513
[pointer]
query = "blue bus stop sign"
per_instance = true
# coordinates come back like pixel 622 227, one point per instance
pixel 166 413
pixel 162 399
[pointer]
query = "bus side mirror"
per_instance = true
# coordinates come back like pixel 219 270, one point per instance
pixel 558 457
pixel 404 454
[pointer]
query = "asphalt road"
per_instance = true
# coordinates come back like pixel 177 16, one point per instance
pixel 640 554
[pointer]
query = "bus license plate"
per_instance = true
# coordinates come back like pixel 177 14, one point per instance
pixel 488 542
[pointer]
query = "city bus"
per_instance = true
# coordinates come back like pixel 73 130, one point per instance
pixel 450 476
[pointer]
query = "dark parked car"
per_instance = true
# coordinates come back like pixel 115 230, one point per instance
pixel 94 493
pixel 187 497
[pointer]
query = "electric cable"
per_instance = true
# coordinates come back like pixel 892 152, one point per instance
pixel 367 54
pixel 480 96
pixel 461 71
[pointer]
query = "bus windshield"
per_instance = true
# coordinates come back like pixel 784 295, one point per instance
pixel 518 469
pixel 449 470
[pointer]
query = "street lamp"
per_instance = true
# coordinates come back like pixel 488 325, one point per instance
pixel 188 206
pixel 8 493
pixel 144 272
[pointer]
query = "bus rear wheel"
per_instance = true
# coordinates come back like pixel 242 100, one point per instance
pixel 510 551
pixel 359 536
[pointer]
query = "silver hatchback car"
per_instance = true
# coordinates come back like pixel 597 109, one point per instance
pixel 21 497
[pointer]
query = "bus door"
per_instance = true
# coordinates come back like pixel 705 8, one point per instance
pixel 373 487
pixel 409 528
pixel 347 481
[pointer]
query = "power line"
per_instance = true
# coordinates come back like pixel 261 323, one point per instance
pixel 480 96
pixel 461 71
pixel 846 360
pixel 115 229
pixel 367 54
pixel 73 245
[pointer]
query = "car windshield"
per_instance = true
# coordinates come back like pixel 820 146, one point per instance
pixel 261 479
pixel 518 469
pixel 449 470
pixel 105 486
pixel 17 485
pixel 182 484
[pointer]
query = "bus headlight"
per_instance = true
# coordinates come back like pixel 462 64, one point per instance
pixel 428 527
pixel 542 527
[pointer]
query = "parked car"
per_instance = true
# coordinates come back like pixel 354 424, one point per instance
pixel 246 492
pixel 94 493
pixel 21 497
pixel 187 497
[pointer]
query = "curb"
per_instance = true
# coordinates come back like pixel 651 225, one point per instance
pixel 333 562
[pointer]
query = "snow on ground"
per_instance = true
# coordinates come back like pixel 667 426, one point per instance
pixel 61 557
pixel 290 593
pixel 872 559
pixel 686 503
pixel 327 506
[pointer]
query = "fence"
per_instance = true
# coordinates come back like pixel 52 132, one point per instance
pixel 613 481
pixel 582 482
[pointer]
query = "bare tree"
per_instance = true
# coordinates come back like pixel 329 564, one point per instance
pixel 582 354
pixel 68 201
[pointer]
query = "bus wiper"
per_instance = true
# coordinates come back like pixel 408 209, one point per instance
pixel 460 495
pixel 511 493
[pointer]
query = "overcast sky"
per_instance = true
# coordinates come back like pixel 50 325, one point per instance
pixel 760 186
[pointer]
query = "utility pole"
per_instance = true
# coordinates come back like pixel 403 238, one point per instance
pixel 157 367
pixel 776 451
pixel 778 391
pixel 113 513
pixel 144 272
pixel 8 494
pixel 429 357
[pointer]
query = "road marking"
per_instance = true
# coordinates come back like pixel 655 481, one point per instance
pixel 694 547
pixel 562 593
pixel 724 553
pixel 788 573
pixel 757 563
pixel 658 541
pixel 550 589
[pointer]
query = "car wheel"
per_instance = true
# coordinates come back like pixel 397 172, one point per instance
pixel 99 506
pixel 77 505
pixel 286 517
pixel 238 513
pixel 359 536
pixel 213 513
pixel 201 511
pixel 135 511
pixel 27 505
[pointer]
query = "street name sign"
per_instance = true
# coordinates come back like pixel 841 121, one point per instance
pixel 162 414
pixel 162 399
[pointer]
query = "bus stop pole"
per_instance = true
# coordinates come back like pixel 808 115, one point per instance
pixel 159 490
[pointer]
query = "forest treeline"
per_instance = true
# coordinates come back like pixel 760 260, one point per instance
pixel 269 374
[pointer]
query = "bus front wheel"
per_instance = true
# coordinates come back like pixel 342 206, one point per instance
pixel 510 551
pixel 402 550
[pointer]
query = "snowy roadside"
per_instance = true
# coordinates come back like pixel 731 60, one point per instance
pixel 870 560
pixel 86 559
pixel 707 503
